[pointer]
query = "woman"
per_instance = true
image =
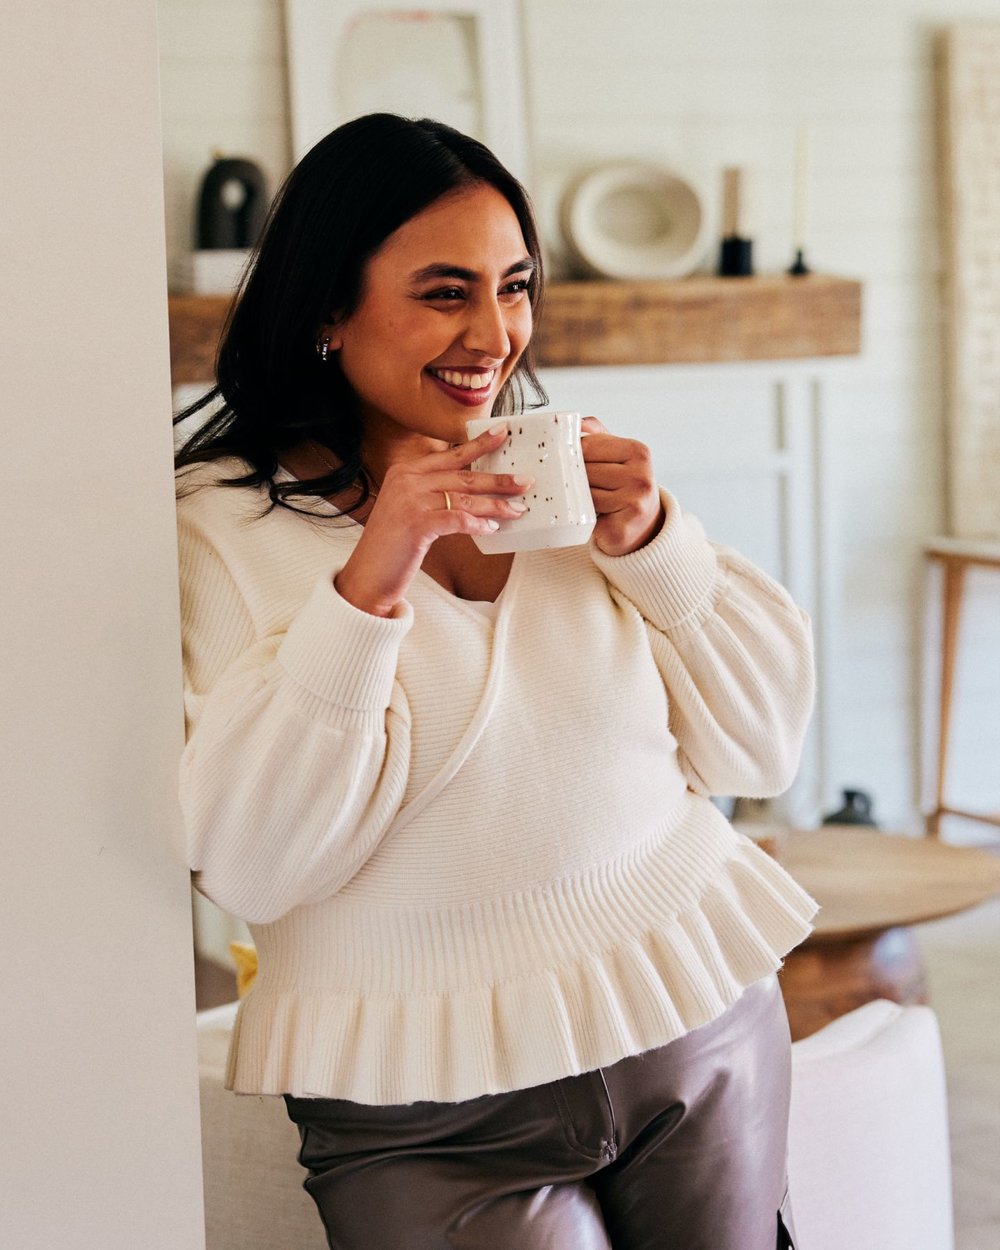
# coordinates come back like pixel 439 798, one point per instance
pixel 516 970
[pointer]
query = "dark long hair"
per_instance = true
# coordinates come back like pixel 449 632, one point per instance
pixel 335 210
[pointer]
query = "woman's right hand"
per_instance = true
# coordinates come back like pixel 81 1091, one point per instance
pixel 411 511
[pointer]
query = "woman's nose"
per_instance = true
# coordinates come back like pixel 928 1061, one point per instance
pixel 486 331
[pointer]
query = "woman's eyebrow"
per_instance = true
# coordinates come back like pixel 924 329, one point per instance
pixel 444 270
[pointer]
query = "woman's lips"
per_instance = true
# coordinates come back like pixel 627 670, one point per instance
pixel 471 396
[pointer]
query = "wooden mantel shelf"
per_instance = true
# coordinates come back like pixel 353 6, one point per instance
pixel 686 321
pixel 699 320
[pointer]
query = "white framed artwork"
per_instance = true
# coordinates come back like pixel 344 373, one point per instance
pixel 458 61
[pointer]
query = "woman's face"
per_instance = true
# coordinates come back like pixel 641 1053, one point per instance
pixel 444 316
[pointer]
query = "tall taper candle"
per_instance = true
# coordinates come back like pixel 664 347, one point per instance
pixel 732 202
pixel 801 222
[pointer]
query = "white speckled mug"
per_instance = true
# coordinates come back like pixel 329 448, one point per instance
pixel 546 445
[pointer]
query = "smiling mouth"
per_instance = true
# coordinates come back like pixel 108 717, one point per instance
pixel 466 379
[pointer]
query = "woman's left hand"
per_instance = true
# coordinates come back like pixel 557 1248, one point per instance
pixel 625 493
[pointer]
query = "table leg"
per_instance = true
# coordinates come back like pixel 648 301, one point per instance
pixel 826 978
pixel 954 584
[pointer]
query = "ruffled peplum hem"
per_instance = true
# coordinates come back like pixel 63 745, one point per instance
pixel 651 980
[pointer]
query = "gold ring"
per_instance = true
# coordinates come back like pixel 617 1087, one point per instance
pixel 447 500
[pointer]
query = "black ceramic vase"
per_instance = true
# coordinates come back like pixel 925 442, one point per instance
pixel 857 810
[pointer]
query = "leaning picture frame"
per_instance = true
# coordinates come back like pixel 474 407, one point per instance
pixel 459 61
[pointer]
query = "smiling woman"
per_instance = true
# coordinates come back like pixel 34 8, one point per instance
pixel 515 968
pixel 426 342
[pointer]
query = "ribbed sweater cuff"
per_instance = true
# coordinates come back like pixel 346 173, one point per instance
pixel 341 654
pixel 673 578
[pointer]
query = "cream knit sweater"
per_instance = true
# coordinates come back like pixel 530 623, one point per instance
pixel 479 856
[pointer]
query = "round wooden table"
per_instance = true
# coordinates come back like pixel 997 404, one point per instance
pixel 871 886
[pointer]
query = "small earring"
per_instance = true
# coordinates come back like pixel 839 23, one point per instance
pixel 323 348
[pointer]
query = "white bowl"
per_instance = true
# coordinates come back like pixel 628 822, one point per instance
pixel 635 220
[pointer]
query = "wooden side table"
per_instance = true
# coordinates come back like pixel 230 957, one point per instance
pixel 955 555
pixel 871 887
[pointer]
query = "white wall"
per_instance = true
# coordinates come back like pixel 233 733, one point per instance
pixel 703 84
pixel 99 1133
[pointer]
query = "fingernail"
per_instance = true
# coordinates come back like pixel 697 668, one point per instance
pixel 499 428
pixel 492 525
pixel 519 479
pixel 517 505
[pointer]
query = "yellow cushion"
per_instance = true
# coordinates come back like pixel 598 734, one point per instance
pixel 245 957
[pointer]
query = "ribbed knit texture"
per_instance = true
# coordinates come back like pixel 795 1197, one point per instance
pixel 570 895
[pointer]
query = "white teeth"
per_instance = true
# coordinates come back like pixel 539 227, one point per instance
pixel 467 381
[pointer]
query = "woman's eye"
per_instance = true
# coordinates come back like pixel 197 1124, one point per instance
pixel 517 287
pixel 446 293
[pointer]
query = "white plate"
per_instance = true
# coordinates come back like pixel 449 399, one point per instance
pixel 636 220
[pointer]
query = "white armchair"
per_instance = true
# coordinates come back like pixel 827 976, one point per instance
pixel 869 1163
pixel 868 1150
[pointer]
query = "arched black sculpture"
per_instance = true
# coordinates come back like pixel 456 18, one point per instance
pixel 222 225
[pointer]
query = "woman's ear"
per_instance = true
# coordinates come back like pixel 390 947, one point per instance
pixel 331 332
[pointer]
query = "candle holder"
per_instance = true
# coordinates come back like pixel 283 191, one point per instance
pixel 736 250
pixel 798 267
pixel 736 257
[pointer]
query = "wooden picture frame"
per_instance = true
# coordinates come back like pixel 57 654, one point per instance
pixel 460 61
pixel 968 118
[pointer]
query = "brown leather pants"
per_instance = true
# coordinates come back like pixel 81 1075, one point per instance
pixel 681 1148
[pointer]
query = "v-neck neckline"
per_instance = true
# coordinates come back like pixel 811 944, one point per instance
pixel 502 600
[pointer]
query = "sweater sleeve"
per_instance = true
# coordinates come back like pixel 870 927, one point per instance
pixel 297 742
pixel 734 651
